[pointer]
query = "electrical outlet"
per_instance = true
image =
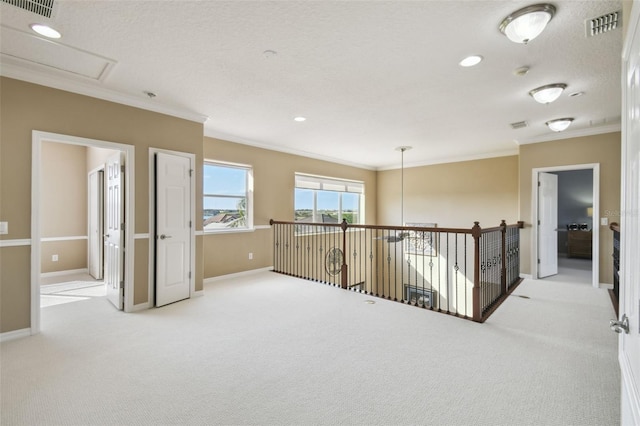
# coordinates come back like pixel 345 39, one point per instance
pixel 54 257
pixel 250 256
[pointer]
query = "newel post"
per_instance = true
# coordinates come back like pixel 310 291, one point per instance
pixel 476 232
pixel 503 256
pixel 345 268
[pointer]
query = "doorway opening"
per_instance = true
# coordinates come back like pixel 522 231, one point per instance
pixel 67 233
pixel 565 237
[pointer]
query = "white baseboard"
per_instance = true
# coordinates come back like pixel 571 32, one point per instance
pixel 59 273
pixel 237 274
pixel 198 293
pixel 140 307
pixel 526 276
pixel 15 334
pixel 608 286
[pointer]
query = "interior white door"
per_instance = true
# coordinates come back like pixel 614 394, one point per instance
pixel 629 343
pixel 547 224
pixel 173 228
pixel 95 231
pixel 114 230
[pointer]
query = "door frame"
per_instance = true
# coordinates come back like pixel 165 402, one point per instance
pixel 97 171
pixel 37 138
pixel 152 221
pixel 595 253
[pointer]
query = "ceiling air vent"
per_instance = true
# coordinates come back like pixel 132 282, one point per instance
pixel 40 7
pixel 519 125
pixel 604 23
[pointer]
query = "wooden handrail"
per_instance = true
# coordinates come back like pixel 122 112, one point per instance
pixel 485 296
pixel 519 224
pixel 614 227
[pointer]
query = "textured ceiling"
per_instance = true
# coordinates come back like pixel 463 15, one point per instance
pixel 369 76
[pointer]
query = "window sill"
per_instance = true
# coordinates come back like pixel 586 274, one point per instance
pixel 227 231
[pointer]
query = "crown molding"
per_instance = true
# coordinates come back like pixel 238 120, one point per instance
pixel 214 134
pixel 455 159
pixel 556 136
pixel 17 72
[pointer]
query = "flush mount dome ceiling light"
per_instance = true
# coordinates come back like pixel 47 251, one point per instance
pixel 560 124
pixel 549 93
pixel 45 30
pixel 525 24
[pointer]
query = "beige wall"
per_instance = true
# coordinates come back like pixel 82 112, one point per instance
pixel 63 203
pixel 97 157
pixel 602 149
pixel 452 195
pixel 25 107
pixel 273 174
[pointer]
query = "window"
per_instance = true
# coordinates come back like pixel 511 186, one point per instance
pixel 328 200
pixel 228 190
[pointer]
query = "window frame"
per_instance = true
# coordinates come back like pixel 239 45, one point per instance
pixel 249 227
pixel 317 183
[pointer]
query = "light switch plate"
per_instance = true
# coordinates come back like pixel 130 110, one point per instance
pixel 604 221
pixel 4 228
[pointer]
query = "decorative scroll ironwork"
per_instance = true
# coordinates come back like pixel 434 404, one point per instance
pixel 462 272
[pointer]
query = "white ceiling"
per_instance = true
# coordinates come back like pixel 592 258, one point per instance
pixel 368 76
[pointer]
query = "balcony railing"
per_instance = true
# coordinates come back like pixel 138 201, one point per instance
pixel 462 272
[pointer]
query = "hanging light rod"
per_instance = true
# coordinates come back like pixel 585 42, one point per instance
pixel 403 148
pixel 527 23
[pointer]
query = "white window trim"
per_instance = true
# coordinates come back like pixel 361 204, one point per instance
pixel 316 183
pixel 250 227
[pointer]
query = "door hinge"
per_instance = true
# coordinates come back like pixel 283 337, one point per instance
pixel 189 274
pixel 538 222
pixel 539 183
pixel 190 172
pixel 538 261
pixel 123 226
pixel 122 168
pixel 189 224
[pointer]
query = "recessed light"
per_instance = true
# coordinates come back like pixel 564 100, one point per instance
pixel 470 61
pixel 299 119
pixel 45 30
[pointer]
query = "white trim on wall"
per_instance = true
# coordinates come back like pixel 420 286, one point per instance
pixel 15 334
pixel 96 91
pixel 237 274
pixel 74 238
pixel 61 273
pixel 37 138
pixel 141 236
pixel 15 243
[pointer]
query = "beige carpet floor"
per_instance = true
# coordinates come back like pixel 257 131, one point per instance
pixel 267 349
